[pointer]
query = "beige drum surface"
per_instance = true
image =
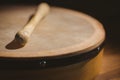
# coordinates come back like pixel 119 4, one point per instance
pixel 61 32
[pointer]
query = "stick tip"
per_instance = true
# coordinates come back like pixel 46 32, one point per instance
pixel 21 39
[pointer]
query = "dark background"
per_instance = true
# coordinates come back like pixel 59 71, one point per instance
pixel 106 11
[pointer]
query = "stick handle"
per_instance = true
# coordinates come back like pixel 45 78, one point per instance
pixel 23 35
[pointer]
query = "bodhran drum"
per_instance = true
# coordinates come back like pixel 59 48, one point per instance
pixel 65 45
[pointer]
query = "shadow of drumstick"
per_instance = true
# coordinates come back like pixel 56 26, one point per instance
pixel 14 45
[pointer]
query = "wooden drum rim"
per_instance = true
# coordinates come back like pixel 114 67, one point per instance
pixel 45 63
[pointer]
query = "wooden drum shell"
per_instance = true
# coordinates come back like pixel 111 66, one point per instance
pixel 85 70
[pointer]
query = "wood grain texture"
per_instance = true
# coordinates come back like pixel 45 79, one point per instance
pixel 111 64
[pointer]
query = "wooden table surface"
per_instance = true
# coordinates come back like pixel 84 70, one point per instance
pixel 111 64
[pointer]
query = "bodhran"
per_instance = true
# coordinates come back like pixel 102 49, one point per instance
pixel 65 45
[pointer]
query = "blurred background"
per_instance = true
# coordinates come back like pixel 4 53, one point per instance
pixel 108 13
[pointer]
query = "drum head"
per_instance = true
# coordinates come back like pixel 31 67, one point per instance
pixel 62 32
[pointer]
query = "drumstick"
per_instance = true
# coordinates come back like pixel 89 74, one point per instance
pixel 23 35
